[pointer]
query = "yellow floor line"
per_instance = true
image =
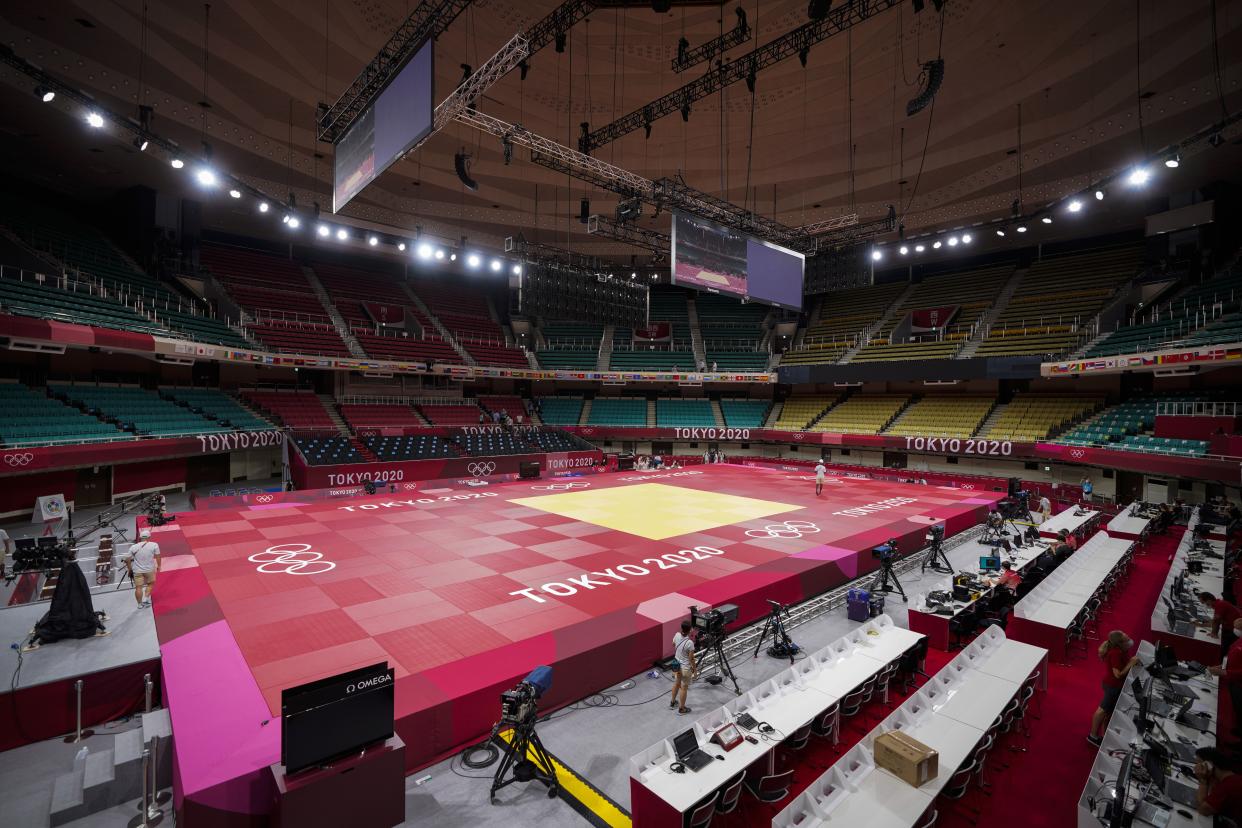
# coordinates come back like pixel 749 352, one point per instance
pixel 576 787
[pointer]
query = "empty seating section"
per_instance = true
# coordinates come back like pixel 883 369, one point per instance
pixel 327 451
pixel 618 411
pixel 219 406
pixel 348 287
pixel 728 325
pixel 68 301
pixel 840 317
pixel 295 409
pixel 884 351
pixel 465 314
pixel 1031 417
pixel 1228 329
pixel 390 345
pixel 1164 445
pixel 556 441
pixel 672 413
pixel 492 443
pixel 298 337
pixel 136 409
pixel 512 405
pixel 943 417
pixel 378 415
pixel 420 447
pixel 862 414
pixel 798 412
pixel 749 362
pixel 744 413
pixel 1056 298
pixel 1188 319
pixel 652 361
pixel 451 413
pixel 669 305
pixel 560 410
pixel 1122 427
pixel 570 345
pixel 29 416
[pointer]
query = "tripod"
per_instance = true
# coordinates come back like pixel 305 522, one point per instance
pixel 782 644
pixel 525 769
pixel 886 572
pixel 722 661
pixel 937 560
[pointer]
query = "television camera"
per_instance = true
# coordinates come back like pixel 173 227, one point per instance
pixel 1017 507
pixel 519 709
pixel 936 559
pixel 709 627
pixel 886 553
pixel 782 645
pixel 39 555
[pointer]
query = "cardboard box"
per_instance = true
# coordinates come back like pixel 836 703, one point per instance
pixel 906 758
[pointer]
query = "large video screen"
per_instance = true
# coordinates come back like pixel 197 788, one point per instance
pixel 710 257
pixel 397 120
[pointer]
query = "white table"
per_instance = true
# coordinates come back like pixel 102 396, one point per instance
pixel 978 700
pixel 1127 526
pixel 1068 520
pixel 1200 646
pixel 880 801
pixel 1015 661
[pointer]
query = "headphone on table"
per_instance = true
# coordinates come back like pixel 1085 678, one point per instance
pixel 677 767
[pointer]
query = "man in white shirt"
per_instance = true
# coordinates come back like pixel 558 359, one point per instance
pixel 6 545
pixel 1045 508
pixel 820 471
pixel 143 562
pixel 683 651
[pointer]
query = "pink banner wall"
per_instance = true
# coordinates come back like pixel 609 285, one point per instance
pixel 382 473
pixel 1194 428
pixel 135 477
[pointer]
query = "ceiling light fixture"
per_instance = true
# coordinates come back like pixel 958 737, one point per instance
pixel 401 246
pixel 263 207
pixel 966 238
pixel 323 230
pixel 44 94
pixel 1075 206
pixel 207 177
pixel 918 248
pixel 440 254
pixel 952 241
pixel 1021 228
pixel 95 119
pixel 1138 176
pixel 903 250
pixel 1046 219
pixel 234 193
pixel 342 234
pixel 1000 233
pixel 177 163
pixel 876 255
pixel 294 222
pixel 1173 161
pixel 1099 195
pixel 424 251
pixel 372 240
pixel 936 245
pixel 496 265
pixel 473 260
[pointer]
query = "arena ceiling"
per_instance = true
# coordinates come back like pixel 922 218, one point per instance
pixel 1100 84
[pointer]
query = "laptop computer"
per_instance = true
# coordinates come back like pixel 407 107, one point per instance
pixel 1150 814
pixel 686 745
pixel 1181 793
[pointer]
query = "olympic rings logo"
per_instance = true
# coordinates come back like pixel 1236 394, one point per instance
pixel 481 469
pixel 561 487
pixel 291 559
pixel 788 530
pixel 17 460
pixel 263 498
pixel 1077 454
pixel 798 435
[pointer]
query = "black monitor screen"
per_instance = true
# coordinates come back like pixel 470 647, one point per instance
pixel 685 743
pixel 989 564
pixel 334 717
pixel 1117 814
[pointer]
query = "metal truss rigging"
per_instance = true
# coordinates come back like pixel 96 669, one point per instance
pixel 429 19
pixel 826 237
pixel 738 35
pixel 648 239
pixel 799 40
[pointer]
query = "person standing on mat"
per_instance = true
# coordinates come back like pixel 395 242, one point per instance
pixel 1230 672
pixel 1115 653
pixel 142 559
pixel 1223 616
pixel 683 651
pixel 820 471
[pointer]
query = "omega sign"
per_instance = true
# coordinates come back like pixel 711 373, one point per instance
pixel 990 448
pixel 367 684
pixel 711 434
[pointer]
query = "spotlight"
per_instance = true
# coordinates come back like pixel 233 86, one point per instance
pixel 1174 161
pixel 424 251
pixel 401 246
pixel 177 163
pixel 342 234
pixel 1075 206
pixel 1099 195
pixel 952 241
pixel 1000 233
pixel 1046 219
pixel 1021 228
pixel 235 193
pixel 373 240
pixel 263 207
pixel 876 255
pixel 935 245
pixel 918 248
pixel 294 222
pixel 44 94
pixel 1138 176
pixel 473 260
pixel 323 230
pixel 517 270
pixel 496 265
pixel 141 143
pixel 207 177
pixel 966 238
pixel 903 250
pixel 440 255
pixel 95 119
pixel 452 256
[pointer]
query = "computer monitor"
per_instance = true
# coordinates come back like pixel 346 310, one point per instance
pixel 1117 813
pixel 989 563
pixel 1154 762
pixel 1136 685
pixel 1165 657
pixel 685 743
pixel 1141 719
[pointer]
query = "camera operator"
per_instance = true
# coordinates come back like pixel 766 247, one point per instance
pixel 683 651
pixel 142 560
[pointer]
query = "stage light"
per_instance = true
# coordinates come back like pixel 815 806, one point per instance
pixel 177 163
pixel 918 248
pixel 496 265
pixel 263 207
pixel 1174 161
pixel 1075 206
pixel 440 254
pixel 1021 228
pixel 141 144
pixel 876 255
pixel 342 234
pixel 323 230
pixel 1046 219
pixel 935 245
pixel 967 238
pixel 401 246
pixel 94 119
pixel 372 240
pixel 1099 195
pixel 424 251
pixel 452 256
pixel 44 94
pixel 294 222
pixel 903 250
pixel 473 260
pixel 207 177
pixel 1138 176
pixel 1000 233
pixel 633 274
pixel 235 193
pixel 517 270
pixel 952 241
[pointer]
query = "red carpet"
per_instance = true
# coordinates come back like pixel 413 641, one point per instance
pixel 1039 788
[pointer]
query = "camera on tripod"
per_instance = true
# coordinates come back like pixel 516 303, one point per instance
pixel 1016 507
pixel 885 552
pixel 519 705
pixel 711 623
pixel 32 555
pixel 935 534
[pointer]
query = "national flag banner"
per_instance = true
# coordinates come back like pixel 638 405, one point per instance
pixel 655 332
pixel 924 320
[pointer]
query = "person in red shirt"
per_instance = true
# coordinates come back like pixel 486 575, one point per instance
pixel 1223 616
pixel 1220 786
pixel 1115 653
pixel 1009 576
pixel 1231 675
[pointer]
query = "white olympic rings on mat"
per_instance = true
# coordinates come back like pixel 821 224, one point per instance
pixel 787 530
pixel 291 559
pixel 481 469
pixel 561 487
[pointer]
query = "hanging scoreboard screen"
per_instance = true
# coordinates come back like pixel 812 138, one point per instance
pixel 711 257
pixel 396 120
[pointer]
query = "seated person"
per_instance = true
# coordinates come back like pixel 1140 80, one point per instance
pixel 1068 538
pixel 1009 577
pixel 1220 786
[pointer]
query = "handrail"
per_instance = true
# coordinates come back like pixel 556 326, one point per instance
pixel 1197 409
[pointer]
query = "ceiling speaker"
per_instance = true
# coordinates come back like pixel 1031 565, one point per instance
pixel 461 163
